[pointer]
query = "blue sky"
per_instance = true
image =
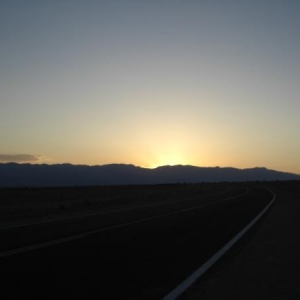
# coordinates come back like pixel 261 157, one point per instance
pixel 151 82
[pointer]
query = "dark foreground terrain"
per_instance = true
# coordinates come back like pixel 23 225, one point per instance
pixel 123 242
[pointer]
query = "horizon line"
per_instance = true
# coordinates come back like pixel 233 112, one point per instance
pixel 142 167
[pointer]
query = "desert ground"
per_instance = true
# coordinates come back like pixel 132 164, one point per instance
pixel 141 241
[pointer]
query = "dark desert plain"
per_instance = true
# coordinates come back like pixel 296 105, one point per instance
pixel 151 241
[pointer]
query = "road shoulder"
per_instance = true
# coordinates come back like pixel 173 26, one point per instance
pixel 267 266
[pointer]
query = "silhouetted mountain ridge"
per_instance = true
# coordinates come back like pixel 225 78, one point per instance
pixel 13 174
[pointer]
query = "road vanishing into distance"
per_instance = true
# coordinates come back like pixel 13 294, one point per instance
pixel 136 252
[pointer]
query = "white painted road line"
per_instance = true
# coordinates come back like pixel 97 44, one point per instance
pixel 82 235
pixel 174 294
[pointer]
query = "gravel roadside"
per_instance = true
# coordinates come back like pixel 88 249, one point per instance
pixel 268 265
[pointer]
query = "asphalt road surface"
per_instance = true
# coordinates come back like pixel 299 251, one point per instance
pixel 134 253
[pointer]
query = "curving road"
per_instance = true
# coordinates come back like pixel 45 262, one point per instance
pixel 139 252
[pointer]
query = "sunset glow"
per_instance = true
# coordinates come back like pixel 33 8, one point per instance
pixel 151 83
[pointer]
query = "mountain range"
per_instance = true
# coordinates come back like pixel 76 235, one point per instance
pixel 39 175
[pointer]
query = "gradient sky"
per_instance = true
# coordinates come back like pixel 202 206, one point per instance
pixel 207 83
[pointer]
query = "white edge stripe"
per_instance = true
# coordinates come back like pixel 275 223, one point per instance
pixel 194 276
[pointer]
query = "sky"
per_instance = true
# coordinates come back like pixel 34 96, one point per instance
pixel 150 83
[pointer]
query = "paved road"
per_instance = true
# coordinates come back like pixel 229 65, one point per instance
pixel 140 253
pixel 266 265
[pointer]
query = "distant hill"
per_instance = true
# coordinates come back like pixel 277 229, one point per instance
pixel 27 175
